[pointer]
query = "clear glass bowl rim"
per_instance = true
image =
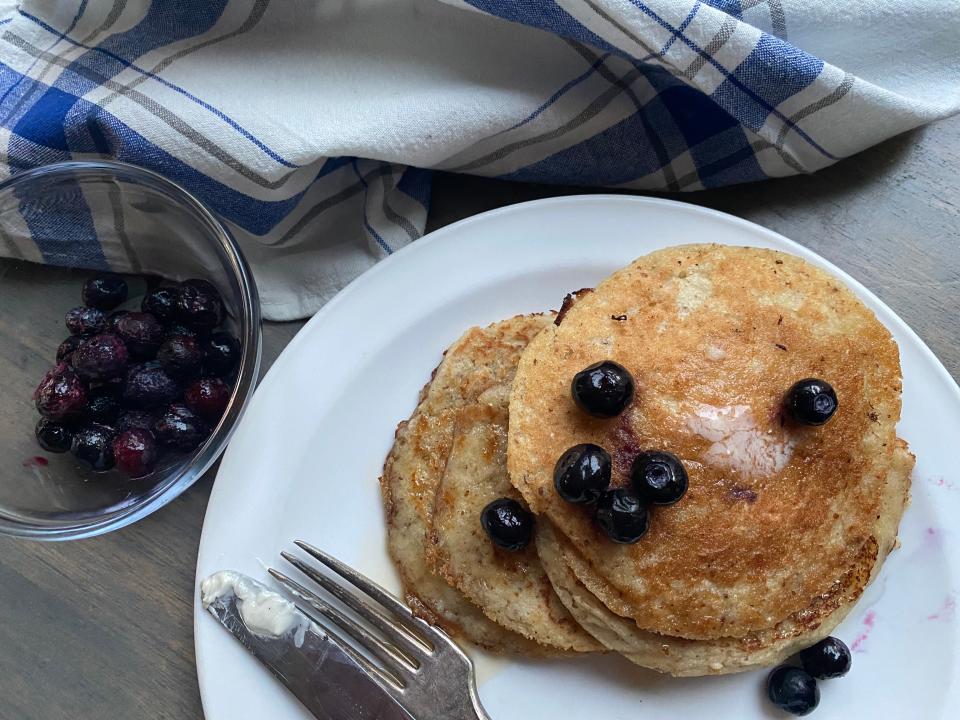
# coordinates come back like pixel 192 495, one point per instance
pixel 250 337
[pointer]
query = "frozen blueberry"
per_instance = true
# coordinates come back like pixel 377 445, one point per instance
pixel 208 397
pixel 60 394
pixel 85 321
pixel 135 452
pixel 162 303
pixel 221 353
pixel 112 387
pixel 582 473
pixel 179 329
pixel 811 401
pixel 136 420
pixel 658 478
pixel 141 332
pixel 93 445
pixel 103 407
pixel 603 389
pixel 68 347
pixel 622 516
pixel 180 355
pixel 53 436
pixel 104 292
pixel 101 357
pixel 112 319
pixel 199 304
pixel 149 385
pixel 829 658
pixel 508 524
pixel 793 690
pixel 180 428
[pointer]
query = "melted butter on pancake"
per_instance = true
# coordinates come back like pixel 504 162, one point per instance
pixel 739 444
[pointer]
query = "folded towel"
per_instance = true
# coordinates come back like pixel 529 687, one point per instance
pixel 311 127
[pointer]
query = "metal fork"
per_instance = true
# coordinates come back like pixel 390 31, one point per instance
pixel 420 667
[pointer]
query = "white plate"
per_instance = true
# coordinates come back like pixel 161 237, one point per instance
pixel 304 463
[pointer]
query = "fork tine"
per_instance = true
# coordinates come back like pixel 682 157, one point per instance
pixel 402 638
pixel 376 592
pixel 398 664
pixel 389 684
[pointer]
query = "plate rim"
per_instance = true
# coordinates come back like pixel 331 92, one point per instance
pixel 423 244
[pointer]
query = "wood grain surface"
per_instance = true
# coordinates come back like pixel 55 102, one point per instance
pixel 103 628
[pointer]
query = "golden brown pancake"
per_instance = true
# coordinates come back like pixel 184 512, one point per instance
pixel 510 587
pixel 684 657
pixel 780 520
pixel 474 369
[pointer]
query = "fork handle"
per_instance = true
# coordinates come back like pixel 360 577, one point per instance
pixel 476 712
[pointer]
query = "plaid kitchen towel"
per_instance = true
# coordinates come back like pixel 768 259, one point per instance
pixel 312 127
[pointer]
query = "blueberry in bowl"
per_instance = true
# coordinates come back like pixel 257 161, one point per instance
pixel 199 305
pixel 61 393
pixel 179 427
pixel 149 385
pixel 101 357
pixel 142 333
pixel 104 292
pixel 161 303
pixel 93 445
pixel 85 401
pixel 180 355
pixel 85 321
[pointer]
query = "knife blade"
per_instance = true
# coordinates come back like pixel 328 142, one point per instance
pixel 299 653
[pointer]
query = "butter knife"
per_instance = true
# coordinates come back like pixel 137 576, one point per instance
pixel 299 652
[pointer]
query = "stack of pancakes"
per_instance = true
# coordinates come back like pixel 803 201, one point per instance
pixel 781 529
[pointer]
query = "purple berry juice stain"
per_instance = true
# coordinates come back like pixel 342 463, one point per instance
pixel 947 611
pixel 868 622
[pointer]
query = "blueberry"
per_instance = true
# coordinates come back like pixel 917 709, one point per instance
pixel 221 353
pixel 603 390
pixel 811 402
pixel 85 321
pixel 104 292
pixel 92 445
pixel 135 452
pixel 162 303
pixel 101 357
pixel 829 658
pixel 103 407
pixel 142 333
pixel 180 428
pixel 112 387
pixel 179 329
pixel 148 386
pixel 136 420
pixel 53 436
pixel 508 524
pixel 208 397
pixel 793 689
pixel 582 473
pixel 199 304
pixel 622 516
pixel 60 394
pixel 113 318
pixel 68 347
pixel 658 478
pixel 180 355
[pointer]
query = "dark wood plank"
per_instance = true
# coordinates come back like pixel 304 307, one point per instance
pixel 104 627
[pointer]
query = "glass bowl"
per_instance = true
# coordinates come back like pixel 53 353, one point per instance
pixel 59 226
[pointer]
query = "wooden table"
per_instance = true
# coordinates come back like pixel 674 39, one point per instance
pixel 103 628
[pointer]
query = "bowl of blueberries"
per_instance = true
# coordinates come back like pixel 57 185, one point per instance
pixel 129 346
